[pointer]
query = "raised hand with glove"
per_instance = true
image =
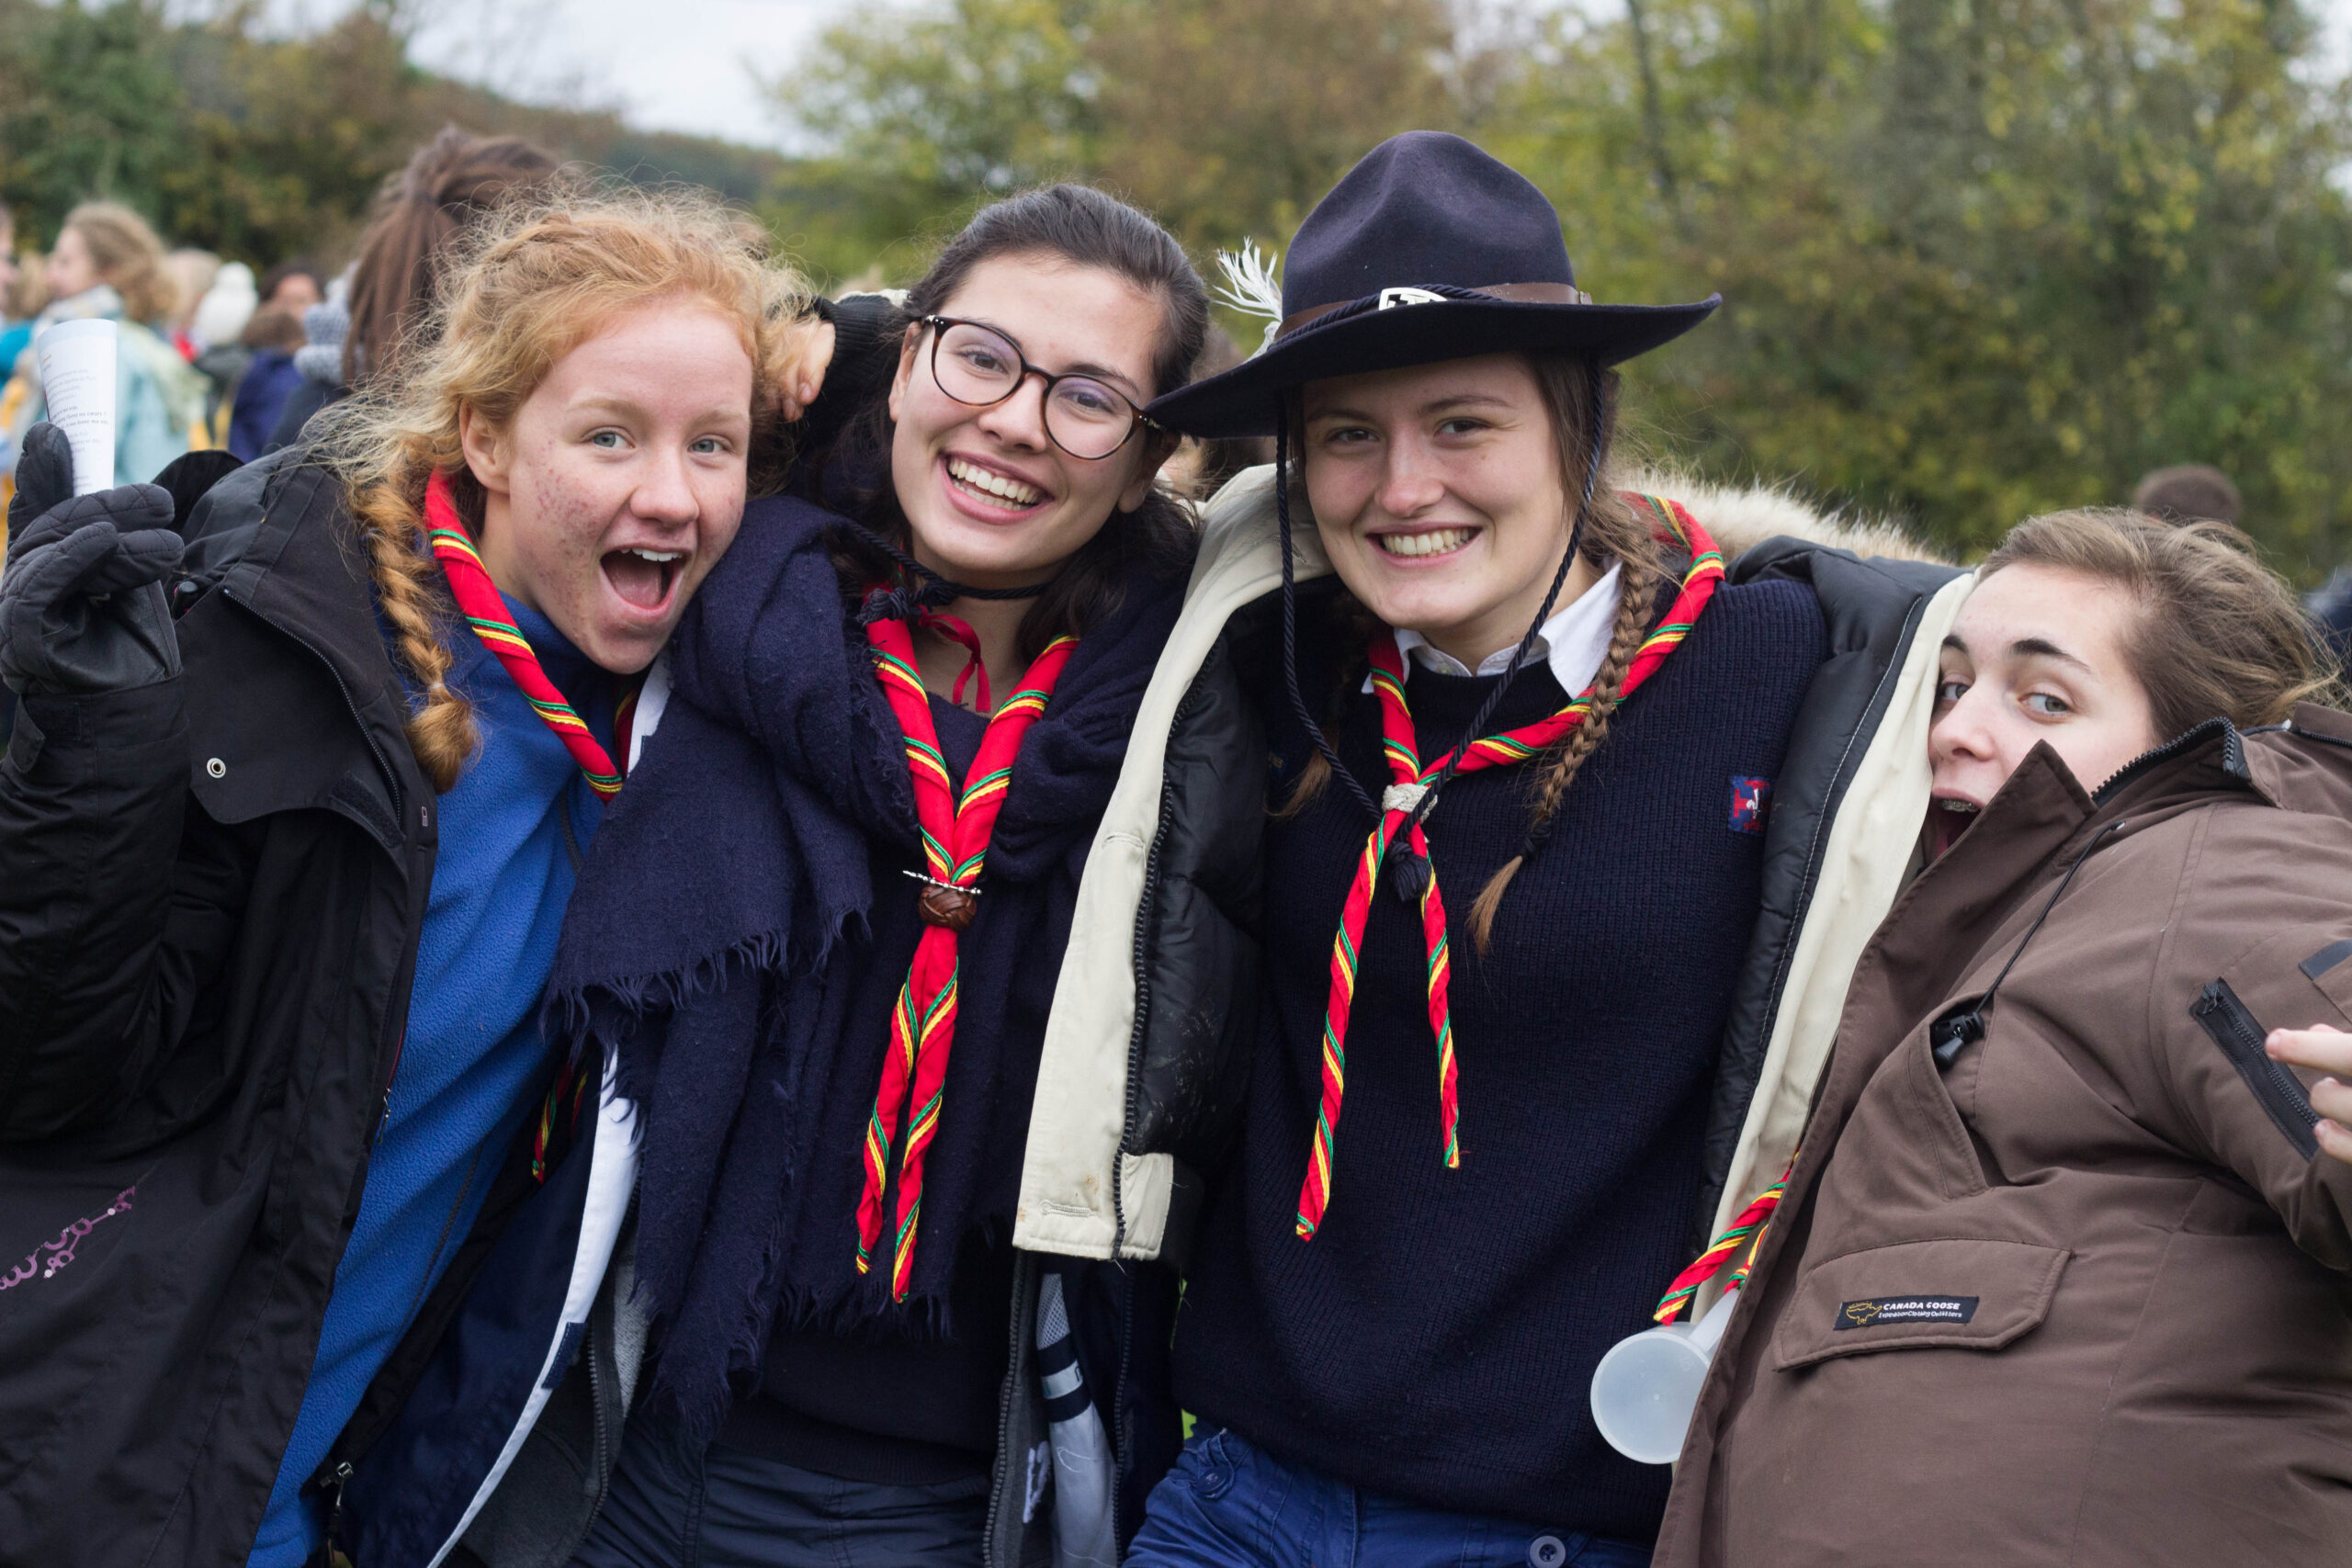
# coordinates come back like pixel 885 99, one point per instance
pixel 82 606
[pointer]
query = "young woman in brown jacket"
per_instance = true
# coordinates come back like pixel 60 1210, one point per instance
pixel 2059 1275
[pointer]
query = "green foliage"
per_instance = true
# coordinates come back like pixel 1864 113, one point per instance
pixel 261 147
pixel 1982 257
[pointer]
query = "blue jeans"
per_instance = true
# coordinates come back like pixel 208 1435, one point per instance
pixel 673 1503
pixel 1229 1503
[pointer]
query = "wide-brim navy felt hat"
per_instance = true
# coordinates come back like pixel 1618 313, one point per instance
pixel 1428 250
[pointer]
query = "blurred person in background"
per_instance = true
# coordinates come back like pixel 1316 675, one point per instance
pixel 295 284
pixel 2059 1276
pixel 192 273
pixel 283 856
pixel 22 295
pixel 270 342
pixel 222 357
pixel 2187 493
pixel 450 183
pixel 107 265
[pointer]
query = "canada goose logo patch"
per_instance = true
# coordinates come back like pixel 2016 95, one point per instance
pixel 1884 1311
pixel 1751 801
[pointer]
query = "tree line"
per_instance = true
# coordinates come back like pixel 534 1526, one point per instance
pixel 1982 257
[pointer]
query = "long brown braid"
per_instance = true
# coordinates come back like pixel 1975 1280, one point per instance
pixel 1613 530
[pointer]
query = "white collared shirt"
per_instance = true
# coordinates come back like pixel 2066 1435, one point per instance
pixel 1574 642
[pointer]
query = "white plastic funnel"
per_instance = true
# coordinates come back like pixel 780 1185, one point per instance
pixel 1645 1389
pixel 77 368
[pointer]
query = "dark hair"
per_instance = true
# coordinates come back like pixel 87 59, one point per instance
pixel 2185 492
pixel 452 179
pixel 1219 459
pixel 273 326
pixel 1581 400
pixel 1085 228
pixel 300 266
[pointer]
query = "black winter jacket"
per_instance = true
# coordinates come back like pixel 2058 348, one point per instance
pixel 210 890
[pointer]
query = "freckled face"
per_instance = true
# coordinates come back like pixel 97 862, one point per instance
pixel 622 482
pixel 70 267
pixel 2036 654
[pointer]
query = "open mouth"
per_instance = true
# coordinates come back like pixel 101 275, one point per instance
pixel 1423 544
pixel 643 577
pixel 998 492
pixel 1948 818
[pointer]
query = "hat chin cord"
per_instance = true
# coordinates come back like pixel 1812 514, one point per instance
pixel 1427 799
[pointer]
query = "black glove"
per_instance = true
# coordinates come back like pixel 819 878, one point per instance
pixel 82 605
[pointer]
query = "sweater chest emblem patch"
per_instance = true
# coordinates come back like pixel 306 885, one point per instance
pixel 1751 802
pixel 1886 1312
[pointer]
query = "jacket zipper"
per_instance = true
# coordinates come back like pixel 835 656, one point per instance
pixel 1023 1283
pixel 335 1483
pixel 351 705
pixel 1143 983
pixel 2240 1035
pixel 2233 757
pixel 337 1478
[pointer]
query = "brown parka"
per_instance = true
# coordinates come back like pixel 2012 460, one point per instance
pixel 2070 1290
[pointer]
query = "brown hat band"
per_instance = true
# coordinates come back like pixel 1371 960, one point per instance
pixel 1518 293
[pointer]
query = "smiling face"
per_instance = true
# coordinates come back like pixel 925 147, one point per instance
pixel 2037 653
pixel 1437 492
pixel 990 500
pixel 622 481
pixel 72 268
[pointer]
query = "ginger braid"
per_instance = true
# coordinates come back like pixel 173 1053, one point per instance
pixel 410 592
pixel 1567 755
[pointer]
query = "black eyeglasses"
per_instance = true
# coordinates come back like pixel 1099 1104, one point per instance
pixel 980 367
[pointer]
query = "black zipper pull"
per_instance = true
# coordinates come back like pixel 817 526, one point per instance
pixel 325 1556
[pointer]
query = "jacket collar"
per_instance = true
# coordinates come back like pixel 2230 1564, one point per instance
pixel 303 574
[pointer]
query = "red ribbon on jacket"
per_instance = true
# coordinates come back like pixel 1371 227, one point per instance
pixel 955 844
pixel 1410 777
pixel 478 601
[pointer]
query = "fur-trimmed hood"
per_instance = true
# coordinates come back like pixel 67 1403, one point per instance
pixel 1741 518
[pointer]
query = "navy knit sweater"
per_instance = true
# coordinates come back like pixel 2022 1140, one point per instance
pixel 1436 1340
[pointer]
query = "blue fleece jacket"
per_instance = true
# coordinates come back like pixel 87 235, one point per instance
pixel 500 883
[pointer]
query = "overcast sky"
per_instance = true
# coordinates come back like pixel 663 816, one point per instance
pixel 683 64
pixel 671 65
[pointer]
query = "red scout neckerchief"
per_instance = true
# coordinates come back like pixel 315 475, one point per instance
pixel 485 612
pixel 954 842
pixel 1411 780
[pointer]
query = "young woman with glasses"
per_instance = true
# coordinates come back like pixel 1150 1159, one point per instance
pixel 824 928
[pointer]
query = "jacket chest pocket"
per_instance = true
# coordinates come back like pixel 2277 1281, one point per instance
pixel 1949 1293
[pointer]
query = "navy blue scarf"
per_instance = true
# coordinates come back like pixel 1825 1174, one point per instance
pixel 741 930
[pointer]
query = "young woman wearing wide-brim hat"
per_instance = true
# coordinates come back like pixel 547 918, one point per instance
pixel 1517 1021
